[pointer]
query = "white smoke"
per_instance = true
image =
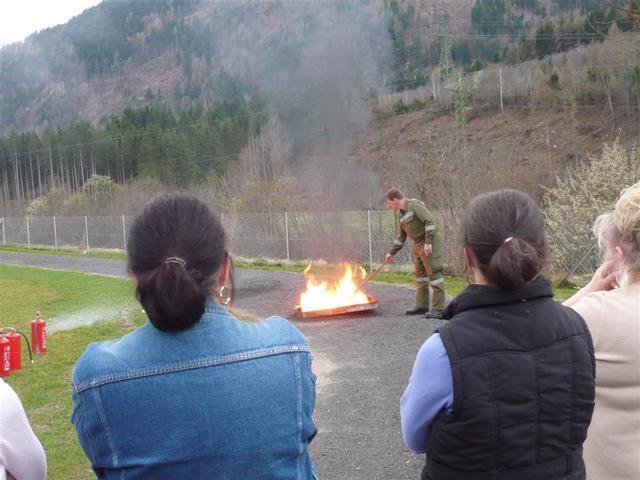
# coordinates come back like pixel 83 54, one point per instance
pixel 87 317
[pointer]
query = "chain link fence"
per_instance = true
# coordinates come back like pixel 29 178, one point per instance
pixel 361 236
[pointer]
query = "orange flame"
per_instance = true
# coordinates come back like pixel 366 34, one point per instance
pixel 322 295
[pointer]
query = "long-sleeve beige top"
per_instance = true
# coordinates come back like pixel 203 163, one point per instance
pixel 612 449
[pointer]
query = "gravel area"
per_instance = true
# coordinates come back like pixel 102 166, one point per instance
pixel 362 361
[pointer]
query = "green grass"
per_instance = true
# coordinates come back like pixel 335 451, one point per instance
pixel 44 386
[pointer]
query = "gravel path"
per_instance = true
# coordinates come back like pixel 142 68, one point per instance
pixel 363 363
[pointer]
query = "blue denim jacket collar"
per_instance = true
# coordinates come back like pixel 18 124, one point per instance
pixel 211 306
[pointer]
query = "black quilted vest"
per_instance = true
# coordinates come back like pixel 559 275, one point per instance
pixel 523 376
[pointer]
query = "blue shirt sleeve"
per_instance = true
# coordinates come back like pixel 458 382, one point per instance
pixel 429 391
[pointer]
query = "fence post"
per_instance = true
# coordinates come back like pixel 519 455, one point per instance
pixel 124 234
pixel 370 249
pixel 28 234
pixel 86 232
pixel 4 238
pixel 55 233
pixel 286 233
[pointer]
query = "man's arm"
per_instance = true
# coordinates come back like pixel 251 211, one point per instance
pixel 398 243
pixel 424 215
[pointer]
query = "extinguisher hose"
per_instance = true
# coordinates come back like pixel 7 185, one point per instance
pixel 26 340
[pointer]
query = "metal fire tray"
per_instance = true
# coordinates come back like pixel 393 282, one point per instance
pixel 329 312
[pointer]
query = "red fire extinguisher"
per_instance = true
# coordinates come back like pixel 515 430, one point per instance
pixel 15 349
pixel 5 356
pixel 10 350
pixel 38 334
pixel 15 355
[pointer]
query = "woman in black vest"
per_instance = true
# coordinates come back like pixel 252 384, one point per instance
pixel 505 390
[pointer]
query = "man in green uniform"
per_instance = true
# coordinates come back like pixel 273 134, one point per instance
pixel 417 223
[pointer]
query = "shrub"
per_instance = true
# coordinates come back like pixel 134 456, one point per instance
pixel 400 107
pixel 587 191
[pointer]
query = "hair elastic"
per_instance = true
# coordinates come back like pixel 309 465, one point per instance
pixel 177 260
pixel 507 240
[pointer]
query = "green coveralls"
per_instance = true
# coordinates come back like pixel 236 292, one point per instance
pixel 417 222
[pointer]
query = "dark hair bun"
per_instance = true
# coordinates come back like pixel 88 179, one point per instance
pixel 513 264
pixel 172 297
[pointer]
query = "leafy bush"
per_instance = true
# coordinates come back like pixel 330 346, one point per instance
pixel 587 190
pixel 46 205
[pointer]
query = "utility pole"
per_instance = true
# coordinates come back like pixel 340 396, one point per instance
pixel 39 175
pixel 548 141
pixel 461 117
pixel 53 178
pixel 501 103
pixel 33 187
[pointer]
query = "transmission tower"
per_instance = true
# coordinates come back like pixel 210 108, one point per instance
pixel 446 66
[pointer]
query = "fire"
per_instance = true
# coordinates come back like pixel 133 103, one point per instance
pixel 322 295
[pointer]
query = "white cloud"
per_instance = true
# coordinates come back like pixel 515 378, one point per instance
pixel 21 18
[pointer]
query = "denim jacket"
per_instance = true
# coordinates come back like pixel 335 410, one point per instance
pixel 225 399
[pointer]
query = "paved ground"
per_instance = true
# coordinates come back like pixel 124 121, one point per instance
pixel 362 362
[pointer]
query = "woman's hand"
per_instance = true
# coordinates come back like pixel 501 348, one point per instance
pixel 604 279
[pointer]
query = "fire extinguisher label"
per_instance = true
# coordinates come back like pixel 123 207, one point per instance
pixel 6 359
pixel 39 335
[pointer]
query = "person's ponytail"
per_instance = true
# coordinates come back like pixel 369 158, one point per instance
pixel 172 298
pixel 514 263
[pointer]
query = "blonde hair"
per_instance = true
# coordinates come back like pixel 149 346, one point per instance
pixel 622 228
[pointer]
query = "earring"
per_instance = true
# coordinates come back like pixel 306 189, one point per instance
pixel 224 295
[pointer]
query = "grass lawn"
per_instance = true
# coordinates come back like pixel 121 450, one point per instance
pixel 44 387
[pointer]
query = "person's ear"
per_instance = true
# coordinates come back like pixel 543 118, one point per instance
pixel 223 276
pixel 468 255
pixel 618 258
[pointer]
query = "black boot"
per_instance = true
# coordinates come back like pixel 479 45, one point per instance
pixel 435 314
pixel 417 311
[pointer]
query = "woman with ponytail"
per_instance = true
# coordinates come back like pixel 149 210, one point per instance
pixel 610 304
pixel 194 393
pixel 505 389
